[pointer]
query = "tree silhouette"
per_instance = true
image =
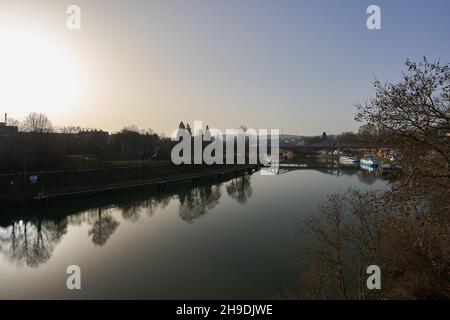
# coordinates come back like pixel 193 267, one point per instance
pixel 37 123
pixel 414 116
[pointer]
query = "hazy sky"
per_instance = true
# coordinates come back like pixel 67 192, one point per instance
pixel 295 65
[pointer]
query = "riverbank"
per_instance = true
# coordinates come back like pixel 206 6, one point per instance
pixel 52 185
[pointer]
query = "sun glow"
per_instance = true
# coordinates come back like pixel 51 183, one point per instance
pixel 36 75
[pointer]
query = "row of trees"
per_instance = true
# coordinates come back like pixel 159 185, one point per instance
pixel 39 145
pixel 33 122
pixel 36 122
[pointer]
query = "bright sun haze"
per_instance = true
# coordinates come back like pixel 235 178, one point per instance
pixel 299 66
pixel 36 74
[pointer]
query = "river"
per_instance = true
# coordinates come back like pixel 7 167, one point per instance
pixel 231 239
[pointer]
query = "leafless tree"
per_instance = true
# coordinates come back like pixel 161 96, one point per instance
pixel 12 122
pixel 356 229
pixel 344 242
pixel 414 116
pixel 406 231
pixel 69 129
pixel 37 123
pixel 130 129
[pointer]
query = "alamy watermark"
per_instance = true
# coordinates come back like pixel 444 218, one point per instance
pixel 73 281
pixel 373 22
pixel 241 147
pixel 374 279
pixel 74 19
pixel 73 22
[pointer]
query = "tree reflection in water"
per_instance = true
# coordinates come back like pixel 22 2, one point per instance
pixel 103 227
pixel 132 211
pixel 196 202
pixel 31 242
pixel 240 189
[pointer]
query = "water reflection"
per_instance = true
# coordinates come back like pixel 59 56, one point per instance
pixel 29 239
pixel 103 226
pixel 134 209
pixel 240 189
pixel 197 202
pixel 31 242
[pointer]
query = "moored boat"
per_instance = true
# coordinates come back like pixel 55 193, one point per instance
pixel 348 160
pixel 369 162
pixel 366 168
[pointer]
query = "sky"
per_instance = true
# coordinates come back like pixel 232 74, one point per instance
pixel 299 66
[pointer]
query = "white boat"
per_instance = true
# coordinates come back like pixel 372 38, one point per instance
pixel 348 160
pixel 369 162
pixel 367 168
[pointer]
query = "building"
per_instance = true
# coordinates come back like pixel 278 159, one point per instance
pixel 7 131
pixel 286 154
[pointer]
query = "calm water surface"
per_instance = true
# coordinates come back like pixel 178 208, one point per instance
pixel 236 238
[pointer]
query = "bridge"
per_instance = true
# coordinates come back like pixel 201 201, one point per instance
pixel 334 144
